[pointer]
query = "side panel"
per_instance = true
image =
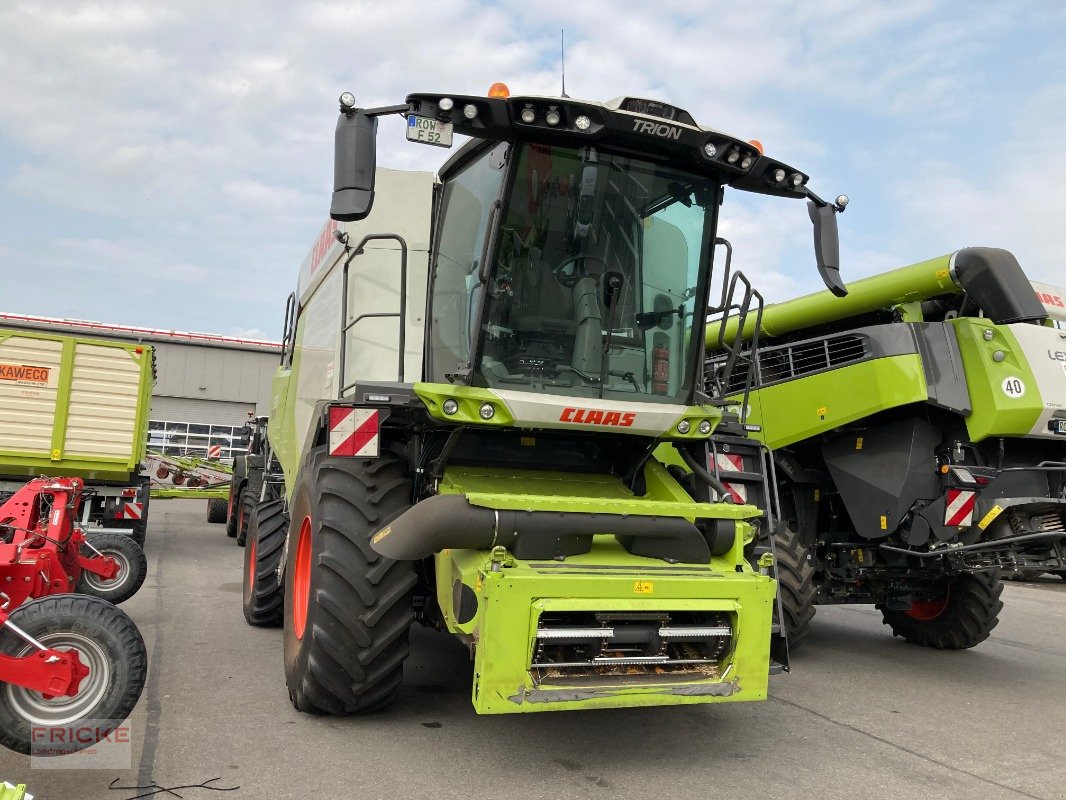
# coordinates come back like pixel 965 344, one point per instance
pixel 29 391
pixel 995 411
pixel 402 206
pixel 799 409
pixel 104 390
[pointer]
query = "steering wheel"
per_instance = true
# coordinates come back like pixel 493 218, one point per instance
pixel 570 278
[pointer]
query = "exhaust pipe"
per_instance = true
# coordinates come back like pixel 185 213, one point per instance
pixel 449 521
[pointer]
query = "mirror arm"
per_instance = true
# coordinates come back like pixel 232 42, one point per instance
pixel 382 111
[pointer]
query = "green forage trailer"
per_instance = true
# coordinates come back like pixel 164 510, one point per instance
pixel 78 407
pixel 919 430
pixel 490 416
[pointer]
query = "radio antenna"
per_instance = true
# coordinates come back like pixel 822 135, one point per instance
pixel 562 58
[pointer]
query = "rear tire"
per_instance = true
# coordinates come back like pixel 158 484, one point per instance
pixel 107 642
pixel 245 512
pixel 263 597
pixel 795 580
pixel 348 610
pixel 216 510
pixel 962 618
pixel 233 510
pixel 132 564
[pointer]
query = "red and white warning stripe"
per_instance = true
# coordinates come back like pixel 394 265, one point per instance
pixel 959 509
pixel 214 451
pixel 133 510
pixel 353 432
pixel 727 462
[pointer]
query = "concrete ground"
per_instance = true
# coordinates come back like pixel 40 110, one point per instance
pixel 861 715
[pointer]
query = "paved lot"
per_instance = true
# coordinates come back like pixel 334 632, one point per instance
pixel 861 715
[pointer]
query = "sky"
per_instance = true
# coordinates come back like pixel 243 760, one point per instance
pixel 169 164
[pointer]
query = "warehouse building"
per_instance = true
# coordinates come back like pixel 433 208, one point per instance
pixel 206 385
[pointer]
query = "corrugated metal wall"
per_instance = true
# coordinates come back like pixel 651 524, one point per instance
pixel 214 373
pixel 206 412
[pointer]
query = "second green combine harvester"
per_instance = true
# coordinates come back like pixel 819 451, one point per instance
pixel 478 370
pixel 919 430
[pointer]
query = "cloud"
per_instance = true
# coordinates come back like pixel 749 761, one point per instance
pixel 1014 200
pixel 181 153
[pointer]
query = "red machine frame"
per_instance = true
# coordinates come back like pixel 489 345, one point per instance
pixel 40 555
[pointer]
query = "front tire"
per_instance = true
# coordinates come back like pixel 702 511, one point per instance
pixel 960 616
pixel 107 642
pixel 263 596
pixel 795 582
pixel 132 567
pixel 348 611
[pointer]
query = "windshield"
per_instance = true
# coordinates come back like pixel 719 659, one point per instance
pixel 595 281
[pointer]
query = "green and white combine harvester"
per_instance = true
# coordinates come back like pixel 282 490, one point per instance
pixel 919 435
pixel 489 383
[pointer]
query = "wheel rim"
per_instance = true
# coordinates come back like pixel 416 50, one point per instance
pixel 926 610
pixel 33 707
pixel 100 584
pixel 251 566
pixel 301 579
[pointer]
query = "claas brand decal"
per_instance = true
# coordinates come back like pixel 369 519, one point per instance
pixel 1049 299
pixel 594 416
pixel 24 374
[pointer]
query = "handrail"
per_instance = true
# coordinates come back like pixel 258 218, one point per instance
pixel 286 333
pixel 401 314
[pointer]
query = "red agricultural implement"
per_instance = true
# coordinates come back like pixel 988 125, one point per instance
pixel 65 659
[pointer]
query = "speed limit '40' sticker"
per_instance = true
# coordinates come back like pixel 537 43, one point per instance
pixel 1013 387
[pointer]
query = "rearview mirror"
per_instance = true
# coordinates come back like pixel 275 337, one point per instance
pixel 827 246
pixel 354 162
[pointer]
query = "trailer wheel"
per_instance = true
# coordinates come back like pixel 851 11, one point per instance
pixel 216 510
pixel 107 642
pixel 132 567
pixel 795 577
pixel 348 610
pixel 245 513
pixel 960 616
pixel 263 596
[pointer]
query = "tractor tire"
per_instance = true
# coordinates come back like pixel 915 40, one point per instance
pixel 132 567
pixel 263 596
pixel 246 504
pixel 348 611
pixel 795 577
pixel 107 642
pixel 963 618
pixel 233 511
pixel 216 510
pixel 253 483
pixel 140 527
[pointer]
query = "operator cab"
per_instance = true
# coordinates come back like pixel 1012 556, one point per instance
pixel 573 243
pixel 595 271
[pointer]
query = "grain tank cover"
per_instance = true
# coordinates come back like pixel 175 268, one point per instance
pixel 995 282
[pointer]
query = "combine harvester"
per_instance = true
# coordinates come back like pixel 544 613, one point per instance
pixel 498 459
pixel 74 664
pixel 919 432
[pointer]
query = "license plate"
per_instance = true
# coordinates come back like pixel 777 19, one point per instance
pixel 1058 426
pixel 429 131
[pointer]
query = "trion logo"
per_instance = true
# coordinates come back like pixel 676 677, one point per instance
pixel 656 129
